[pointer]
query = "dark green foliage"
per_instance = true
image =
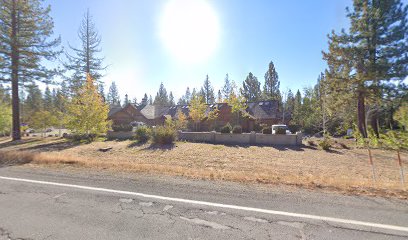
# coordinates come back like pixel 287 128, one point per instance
pixel 294 128
pixel 227 88
pixel 113 97
pixel 267 130
pixel 325 144
pixel 162 97
pixel 251 88
pixel 122 128
pixel 365 61
pixel 271 86
pixel 280 131
pixel 81 137
pixel 226 129
pixel 25 47
pixel 207 91
pixel 143 134
pixel 258 127
pixel 237 129
pixel 164 135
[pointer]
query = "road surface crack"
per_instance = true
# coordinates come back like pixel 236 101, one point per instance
pixel 5 233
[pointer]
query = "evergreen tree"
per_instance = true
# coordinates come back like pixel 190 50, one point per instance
pixel 186 98
pixel 227 88
pixel 145 101
pixel 101 90
pixel 126 100
pixel 207 91
pixel 150 100
pixel 48 104
pixel 271 86
pixel 161 97
pixel 84 60
pixel 219 97
pixel 25 29
pixel 134 101
pixel 363 60
pixel 113 97
pixel 290 102
pixel 171 99
pixel 251 89
pixel 87 113
pixel 34 101
pixel 297 109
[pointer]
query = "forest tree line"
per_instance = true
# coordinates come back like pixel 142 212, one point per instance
pixel 362 85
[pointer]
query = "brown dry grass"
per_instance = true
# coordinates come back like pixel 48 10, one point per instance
pixel 344 170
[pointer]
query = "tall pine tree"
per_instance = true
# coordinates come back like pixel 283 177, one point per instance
pixel 84 59
pixel 25 31
pixel 162 97
pixel 251 88
pixel 113 97
pixel 367 57
pixel 207 91
pixel 271 86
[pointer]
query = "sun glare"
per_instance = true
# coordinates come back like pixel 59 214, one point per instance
pixel 189 29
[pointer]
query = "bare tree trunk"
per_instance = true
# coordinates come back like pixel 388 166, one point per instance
pixel 374 122
pixel 16 133
pixel 361 114
pixel 401 169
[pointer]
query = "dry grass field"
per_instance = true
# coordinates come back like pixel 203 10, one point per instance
pixel 340 169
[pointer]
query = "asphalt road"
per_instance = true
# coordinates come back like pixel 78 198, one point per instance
pixel 73 204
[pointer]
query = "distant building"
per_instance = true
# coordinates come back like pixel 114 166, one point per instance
pixel 257 113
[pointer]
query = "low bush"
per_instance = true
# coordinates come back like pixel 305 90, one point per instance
pixel 267 130
pixel 82 137
pixel 325 144
pixel 122 128
pixel 294 128
pixel 143 134
pixel 164 135
pixel 237 129
pixel 226 129
pixel 281 131
pixel 258 127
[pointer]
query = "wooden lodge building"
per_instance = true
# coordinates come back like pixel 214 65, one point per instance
pixel 256 114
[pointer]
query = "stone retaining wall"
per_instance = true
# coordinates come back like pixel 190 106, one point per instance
pixel 244 138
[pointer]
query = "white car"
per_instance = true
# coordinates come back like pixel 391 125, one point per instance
pixel 275 127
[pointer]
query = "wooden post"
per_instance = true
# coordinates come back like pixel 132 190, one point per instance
pixel 401 169
pixel 372 164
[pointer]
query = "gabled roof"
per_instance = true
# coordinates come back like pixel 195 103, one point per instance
pixel 114 109
pixel 154 111
pixel 264 109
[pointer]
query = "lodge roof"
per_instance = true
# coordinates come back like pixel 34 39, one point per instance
pixel 258 110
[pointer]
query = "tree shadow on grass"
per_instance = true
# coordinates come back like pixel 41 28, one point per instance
pixel 56 146
pixel 136 144
pixel 18 143
pixel 161 147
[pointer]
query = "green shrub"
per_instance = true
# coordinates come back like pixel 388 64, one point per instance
pixel 227 128
pixel 294 128
pixel 237 129
pixel 267 130
pixel 122 128
pixel 164 135
pixel 143 134
pixel 82 137
pixel 281 131
pixel 258 127
pixel 325 144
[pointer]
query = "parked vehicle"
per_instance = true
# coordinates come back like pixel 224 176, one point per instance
pixel 278 126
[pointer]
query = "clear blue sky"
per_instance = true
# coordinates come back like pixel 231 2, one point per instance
pixel 251 33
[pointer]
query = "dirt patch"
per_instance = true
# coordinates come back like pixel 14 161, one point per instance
pixel 341 169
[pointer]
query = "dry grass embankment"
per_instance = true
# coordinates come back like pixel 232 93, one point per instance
pixel 345 170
